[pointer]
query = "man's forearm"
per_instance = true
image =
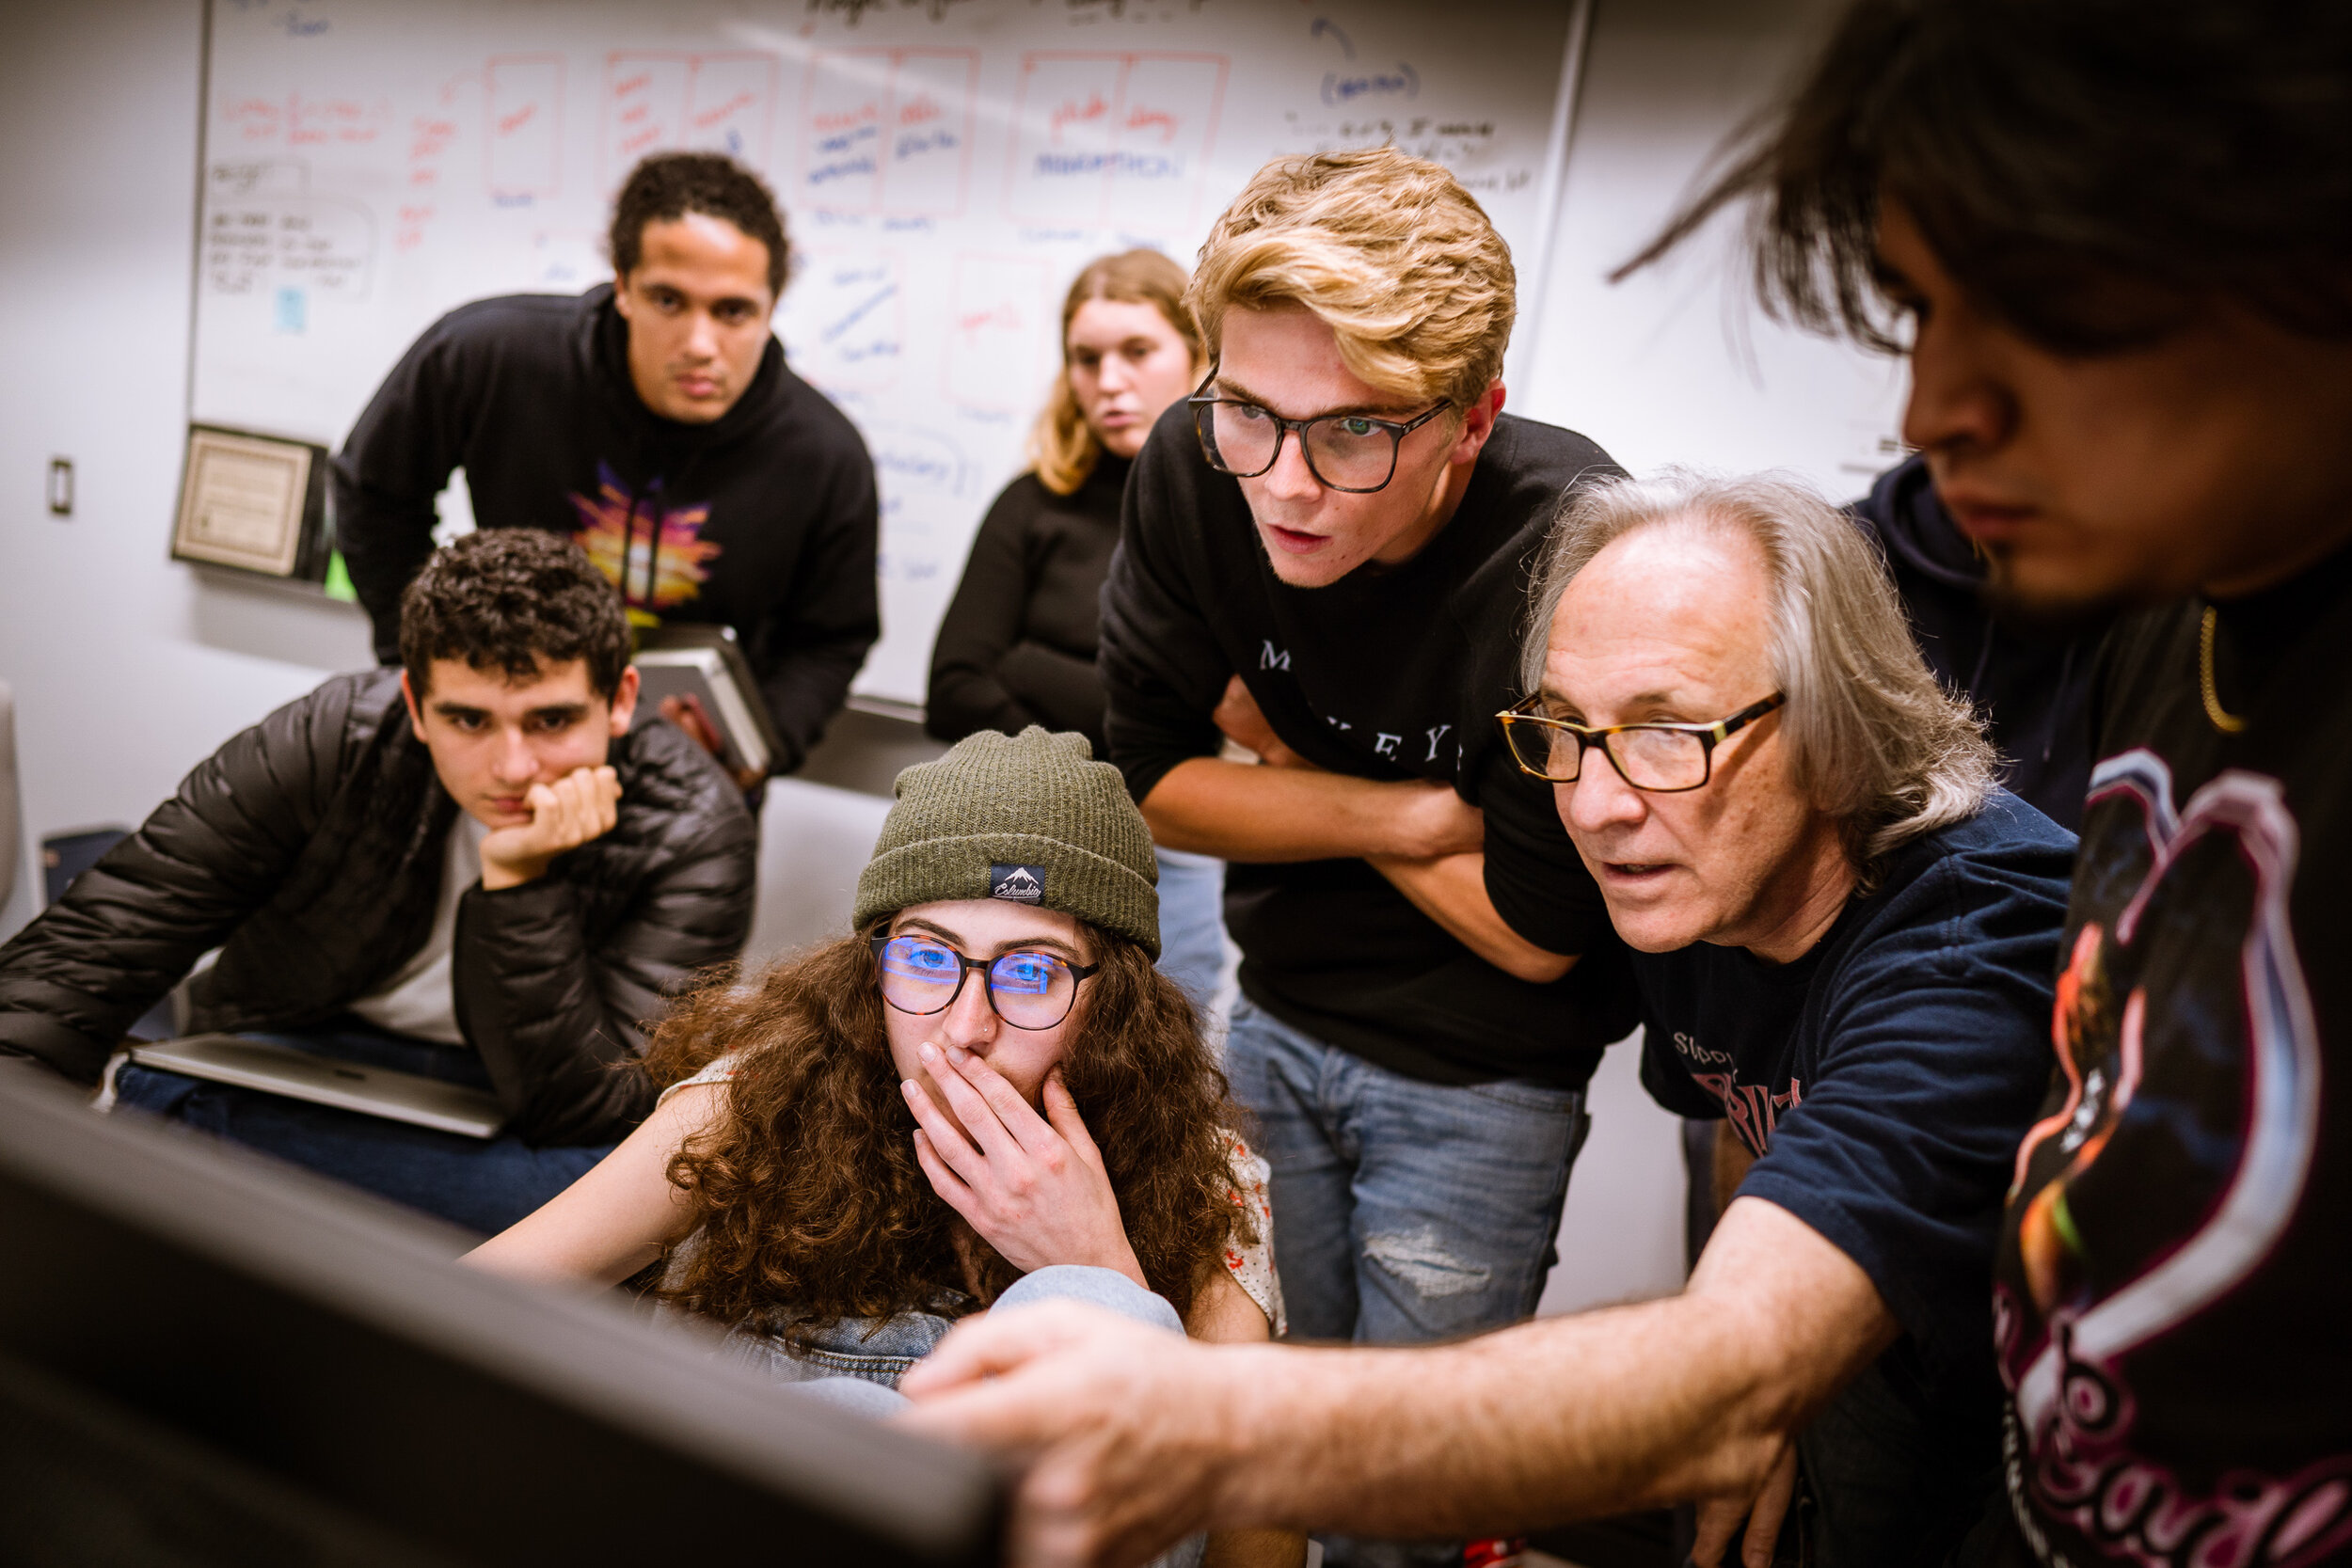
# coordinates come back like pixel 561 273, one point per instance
pixel 1134 1440
pixel 1534 1426
pixel 1239 811
pixel 533 1005
pixel 1452 891
pixel 1635 1406
pixel 42 1044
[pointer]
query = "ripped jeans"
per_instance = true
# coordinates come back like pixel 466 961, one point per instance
pixel 1404 1211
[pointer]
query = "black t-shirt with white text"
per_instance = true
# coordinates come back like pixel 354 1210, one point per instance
pixel 2174 1304
pixel 1390 673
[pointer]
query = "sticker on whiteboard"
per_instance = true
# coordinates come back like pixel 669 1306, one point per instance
pixel 293 310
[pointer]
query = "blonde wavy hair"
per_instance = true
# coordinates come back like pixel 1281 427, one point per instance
pixel 1063 448
pixel 1873 740
pixel 1387 250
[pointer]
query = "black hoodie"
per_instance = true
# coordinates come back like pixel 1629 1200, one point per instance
pixel 2034 691
pixel 763 520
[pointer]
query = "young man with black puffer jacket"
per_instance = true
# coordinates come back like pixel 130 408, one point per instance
pixel 469 869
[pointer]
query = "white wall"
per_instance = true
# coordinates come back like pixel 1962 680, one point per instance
pixel 1675 365
pixel 128 668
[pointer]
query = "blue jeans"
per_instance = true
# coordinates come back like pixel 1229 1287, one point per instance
pixel 1192 922
pixel 484 1184
pixel 1404 1211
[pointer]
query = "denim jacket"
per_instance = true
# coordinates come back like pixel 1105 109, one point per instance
pixel 878 1350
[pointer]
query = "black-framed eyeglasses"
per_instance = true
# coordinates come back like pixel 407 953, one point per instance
pixel 1028 991
pixel 1355 453
pixel 1664 759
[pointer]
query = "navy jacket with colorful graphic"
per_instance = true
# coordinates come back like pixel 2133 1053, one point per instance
pixel 763 520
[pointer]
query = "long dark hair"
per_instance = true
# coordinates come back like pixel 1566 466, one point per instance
pixel 2090 168
pixel 807 1201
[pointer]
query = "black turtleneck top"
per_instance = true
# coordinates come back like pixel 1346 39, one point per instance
pixel 1017 646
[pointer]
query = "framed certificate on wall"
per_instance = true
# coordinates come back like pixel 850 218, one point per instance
pixel 252 501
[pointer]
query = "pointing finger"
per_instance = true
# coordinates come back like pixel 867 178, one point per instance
pixel 980 1348
pixel 1771 1507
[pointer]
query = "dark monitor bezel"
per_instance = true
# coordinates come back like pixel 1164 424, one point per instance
pixel 327 1343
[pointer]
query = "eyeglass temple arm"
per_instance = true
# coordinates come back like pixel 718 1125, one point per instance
pixel 1720 730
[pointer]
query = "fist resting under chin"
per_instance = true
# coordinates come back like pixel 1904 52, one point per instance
pixel 581 805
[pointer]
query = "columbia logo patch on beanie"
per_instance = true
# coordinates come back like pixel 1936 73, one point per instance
pixel 1030 819
pixel 1020 884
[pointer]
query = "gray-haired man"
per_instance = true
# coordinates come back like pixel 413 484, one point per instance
pixel 1845 935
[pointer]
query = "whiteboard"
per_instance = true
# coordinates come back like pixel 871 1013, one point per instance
pixel 945 167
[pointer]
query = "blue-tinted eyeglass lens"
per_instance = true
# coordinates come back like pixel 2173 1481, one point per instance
pixel 1033 991
pixel 919 977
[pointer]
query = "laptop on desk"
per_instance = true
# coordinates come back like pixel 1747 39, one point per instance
pixel 372 1091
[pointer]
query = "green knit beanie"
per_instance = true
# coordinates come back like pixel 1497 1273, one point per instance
pixel 1028 818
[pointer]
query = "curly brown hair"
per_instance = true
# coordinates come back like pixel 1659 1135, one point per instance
pixel 808 1205
pixel 511 599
